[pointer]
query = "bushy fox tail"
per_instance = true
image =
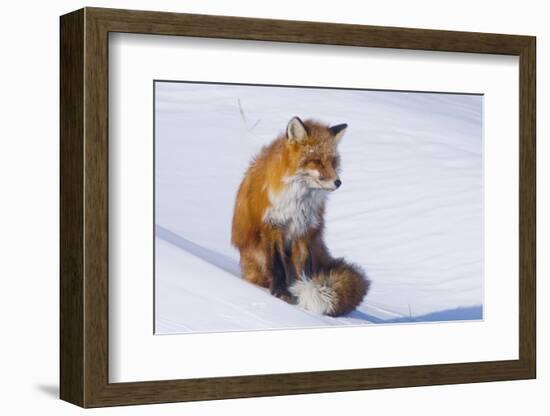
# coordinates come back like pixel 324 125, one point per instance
pixel 334 290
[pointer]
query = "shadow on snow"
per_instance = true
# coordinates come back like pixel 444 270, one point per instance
pixel 232 267
pixel 466 313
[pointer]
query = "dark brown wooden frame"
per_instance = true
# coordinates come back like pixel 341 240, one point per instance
pixel 84 207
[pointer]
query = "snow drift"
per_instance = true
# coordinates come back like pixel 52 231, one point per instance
pixel 409 211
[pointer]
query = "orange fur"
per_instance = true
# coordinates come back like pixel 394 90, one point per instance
pixel 348 283
pixel 271 248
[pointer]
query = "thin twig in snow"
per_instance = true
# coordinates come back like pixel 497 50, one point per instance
pixel 255 124
pixel 243 116
pixel 241 110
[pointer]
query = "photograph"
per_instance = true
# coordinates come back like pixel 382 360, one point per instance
pixel 362 190
pixel 291 207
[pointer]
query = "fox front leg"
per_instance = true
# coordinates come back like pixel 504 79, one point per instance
pixel 283 272
pixel 308 266
pixel 302 259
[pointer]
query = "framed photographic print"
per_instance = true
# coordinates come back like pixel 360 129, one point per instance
pixel 255 207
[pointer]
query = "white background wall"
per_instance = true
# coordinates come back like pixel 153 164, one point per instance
pixel 29 208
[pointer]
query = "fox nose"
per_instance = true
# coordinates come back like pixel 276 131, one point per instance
pixel 337 183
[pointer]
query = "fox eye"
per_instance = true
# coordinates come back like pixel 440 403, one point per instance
pixel 316 161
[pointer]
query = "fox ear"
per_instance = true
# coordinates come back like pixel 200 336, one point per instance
pixel 338 131
pixel 296 130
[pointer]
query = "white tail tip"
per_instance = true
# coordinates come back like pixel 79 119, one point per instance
pixel 314 297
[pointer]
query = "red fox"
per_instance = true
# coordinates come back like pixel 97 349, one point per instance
pixel 278 221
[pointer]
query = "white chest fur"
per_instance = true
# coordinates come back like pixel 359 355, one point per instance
pixel 296 208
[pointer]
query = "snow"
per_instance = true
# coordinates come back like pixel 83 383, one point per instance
pixel 410 210
pixel 220 300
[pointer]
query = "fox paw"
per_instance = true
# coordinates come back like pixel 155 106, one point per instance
pixel 284 295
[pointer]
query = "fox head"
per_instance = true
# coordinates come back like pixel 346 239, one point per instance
pixel 313 153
